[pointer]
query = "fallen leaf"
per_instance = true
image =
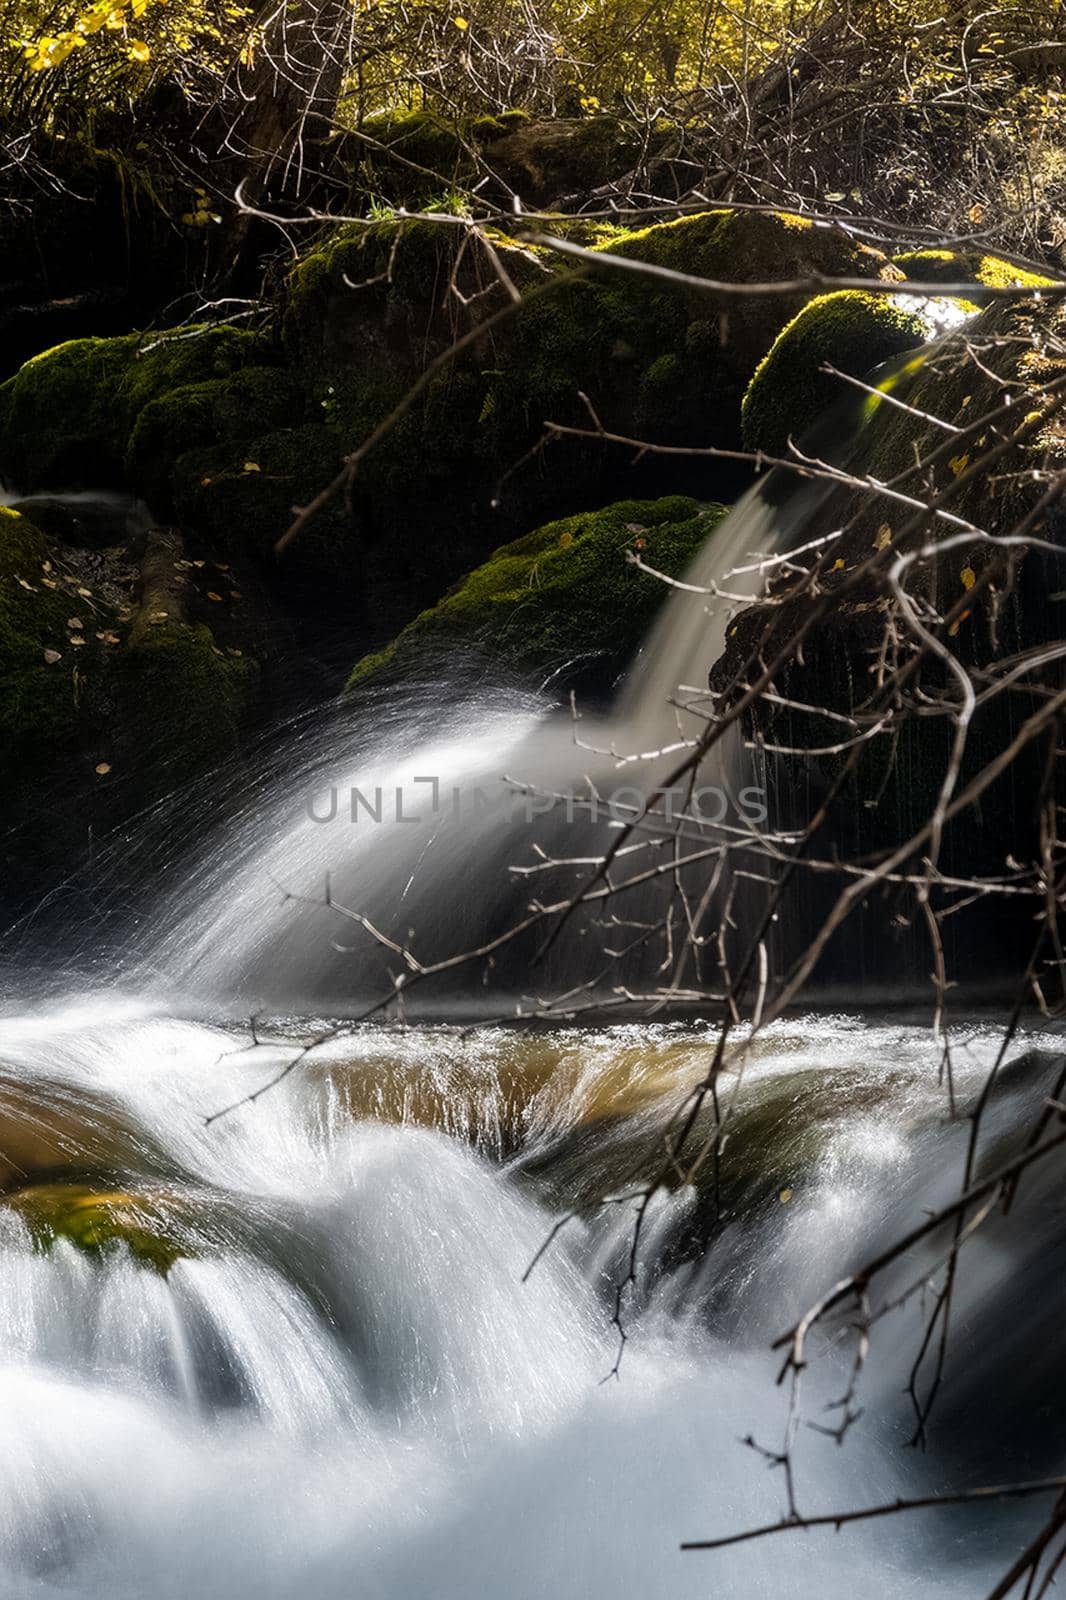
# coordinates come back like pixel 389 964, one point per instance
pixel 969 577
pixel 86 594
pixel 76 623
pixel 52 656
pixel 76 640
pixel 958 464
pixel 103 768
pixel 785 1196
pixel 252 466
pixel 884 537
pixel 211 595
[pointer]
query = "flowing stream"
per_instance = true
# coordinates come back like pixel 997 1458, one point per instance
pixel 292 1351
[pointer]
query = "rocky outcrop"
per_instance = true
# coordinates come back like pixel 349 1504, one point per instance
pixel 562 604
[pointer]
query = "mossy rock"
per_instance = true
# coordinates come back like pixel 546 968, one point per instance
pixel 101 1222
pixel 39 697
pixel 417 158
pixel 658 362
pixel 241 495
pixel 182 702
pixel 968 267
pixel 235 409
pixel 104 706
pixel 852 330
pixel 562 601
pixel 50 1129
pixel 67 416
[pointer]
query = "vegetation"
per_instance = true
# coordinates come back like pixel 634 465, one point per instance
pixel 850 332
pixel 563 604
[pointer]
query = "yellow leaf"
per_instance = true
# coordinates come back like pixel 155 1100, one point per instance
pixel 461 23
pixel 211 595
pixel 252 466
pixel 884 537
pixel 785 1196
pixel 565 540
pixel 76 640
pixel 958 464
pixel 138 50
pixel 969 577
pixel 103 768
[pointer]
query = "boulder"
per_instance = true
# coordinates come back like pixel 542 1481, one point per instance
pixel 563 603
pixel 850 330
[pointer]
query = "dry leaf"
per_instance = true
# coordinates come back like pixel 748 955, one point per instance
pixel 103 768
pixel 76 623
pixel 52 656
pixel 76 640
pixel 211 595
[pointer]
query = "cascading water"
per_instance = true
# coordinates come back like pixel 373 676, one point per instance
pixel 290 1351
pixel 341 1384
pixel 427 819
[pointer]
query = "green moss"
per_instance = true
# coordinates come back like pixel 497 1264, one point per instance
pixel 657 361
pixel 69 413
pixel 969 267
pixel 562 597
pixel 39 699
pixel 242 510
pixel 853 331
pixel 235 410
pixel 99 1222
pixel 182 701
pixel 408 157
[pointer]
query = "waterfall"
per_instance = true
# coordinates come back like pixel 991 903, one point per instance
pixel 437 817
pixel 342 1379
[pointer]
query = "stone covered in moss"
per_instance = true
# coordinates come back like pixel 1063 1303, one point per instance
pixel 67 416
pixel 218 436
pixel 415 158
pixel 183 702
pixel 658 362
pixel 109 697
pixel 237 408
pixel 563 601
pixel 99 1222
pixel 850 330
pixel 968 267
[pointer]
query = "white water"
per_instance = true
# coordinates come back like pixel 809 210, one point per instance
pixel 343 1387
pixel 351 1392
pixel 455 793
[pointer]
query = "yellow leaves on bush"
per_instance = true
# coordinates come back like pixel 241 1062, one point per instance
pixel 461 23
pixel 106 16
pixel 958 464
pixel 50 51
